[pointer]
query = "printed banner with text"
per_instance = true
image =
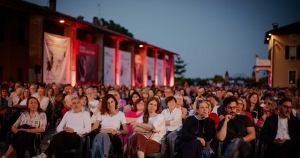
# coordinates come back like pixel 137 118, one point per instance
pixel 138 70
pixel 150 72
pixel 168 72
pixel 125 68
pixel 109 65
pixel 86 62
pixel 160 76
pixel 56 63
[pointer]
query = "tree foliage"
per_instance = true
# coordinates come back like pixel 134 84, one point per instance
pixel 218 78
pixel 116 27
pixel 179 70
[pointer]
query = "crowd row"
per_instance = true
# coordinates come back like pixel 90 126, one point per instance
pixel 197 115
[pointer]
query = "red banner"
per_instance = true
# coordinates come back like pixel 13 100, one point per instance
pixel 86 62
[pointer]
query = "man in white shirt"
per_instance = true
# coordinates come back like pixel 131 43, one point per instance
pixel 281 132
pixel 74 123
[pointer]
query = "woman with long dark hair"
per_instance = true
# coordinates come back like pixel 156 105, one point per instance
pixel 110 119
pixel 253 106
pixel 151 122
pixel 133 97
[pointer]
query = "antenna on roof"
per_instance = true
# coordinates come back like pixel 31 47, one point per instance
pixel 99 15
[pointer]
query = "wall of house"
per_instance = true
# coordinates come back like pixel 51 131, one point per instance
pixel 281 66
pixel 14 45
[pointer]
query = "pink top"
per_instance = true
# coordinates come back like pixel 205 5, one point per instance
pixel 131 114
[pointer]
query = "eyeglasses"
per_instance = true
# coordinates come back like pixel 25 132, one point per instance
pixel 231 107
pixel 287 107
pixel 269 103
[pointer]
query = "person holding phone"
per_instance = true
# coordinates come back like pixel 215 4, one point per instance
pixel 237 131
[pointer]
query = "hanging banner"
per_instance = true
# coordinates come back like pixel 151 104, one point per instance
pixel 168 71
pixel 56 63
pixel 109 66
pixel 125 68
pixel 160 76
pixel 138 70
pixel 86 62
pixel 150 71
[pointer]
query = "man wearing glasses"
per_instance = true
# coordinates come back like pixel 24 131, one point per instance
pixel 281 132
pixel 236 131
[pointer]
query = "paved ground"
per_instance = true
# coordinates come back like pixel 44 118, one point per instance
pixel 45 144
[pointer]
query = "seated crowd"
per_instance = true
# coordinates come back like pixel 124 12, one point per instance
pixel 133 121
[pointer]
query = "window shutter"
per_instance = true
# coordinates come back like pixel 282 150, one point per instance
pixel 287 53
pixel 298 52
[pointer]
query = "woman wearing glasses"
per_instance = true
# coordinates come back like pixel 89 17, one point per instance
pixel 268 106
pixel 92 101
pixel 196 131
pixel 241 107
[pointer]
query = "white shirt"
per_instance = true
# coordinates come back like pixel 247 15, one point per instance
pixel 159 124
pixel 15 100
pixel 94 117
pixel 282 130
pixel 37 120
pixel 43 103
pixel 9 101
pixel 35 95
pixel 23 102
pixel 80 122
pixel 93 105
pixel 215 109
pixel 14 97
pixel 113 122
pixel 175 118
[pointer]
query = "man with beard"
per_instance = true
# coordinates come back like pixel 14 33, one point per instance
pixel 281 132
pixel 237 131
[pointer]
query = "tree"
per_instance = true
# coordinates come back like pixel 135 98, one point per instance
pixel 116 27
pixel 218 78
pixel 179 70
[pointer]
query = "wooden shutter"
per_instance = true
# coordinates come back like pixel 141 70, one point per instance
pixel 287 53
pixel 298 52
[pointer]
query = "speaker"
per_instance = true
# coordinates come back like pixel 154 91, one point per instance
pixel 37 69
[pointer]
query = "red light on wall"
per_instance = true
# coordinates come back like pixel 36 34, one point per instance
pixel 62 21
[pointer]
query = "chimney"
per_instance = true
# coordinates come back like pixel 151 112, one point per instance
pixel 52 5
pixel 96 21
pixel 275 25
pixel 80 17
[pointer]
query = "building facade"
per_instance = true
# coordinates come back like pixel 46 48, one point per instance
pixel 27 55
pixel 283 64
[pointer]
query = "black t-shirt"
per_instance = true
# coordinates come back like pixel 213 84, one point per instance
pixel 236 127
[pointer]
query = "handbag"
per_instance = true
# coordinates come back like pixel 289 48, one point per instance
pixel 3 111
pixel 147 134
